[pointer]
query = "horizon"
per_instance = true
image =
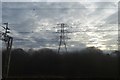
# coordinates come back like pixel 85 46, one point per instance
pixel 36 49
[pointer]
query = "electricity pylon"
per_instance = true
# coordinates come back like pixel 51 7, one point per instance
pixel 62 36
pixel 8 41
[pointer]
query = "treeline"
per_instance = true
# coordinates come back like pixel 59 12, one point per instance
pixel 89 62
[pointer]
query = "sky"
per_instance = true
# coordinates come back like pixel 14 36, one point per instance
pixel 59 0
pixel 34 24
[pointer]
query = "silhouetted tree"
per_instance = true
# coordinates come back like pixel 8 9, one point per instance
pixel 85 63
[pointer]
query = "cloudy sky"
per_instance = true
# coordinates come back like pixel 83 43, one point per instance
pixel 34 24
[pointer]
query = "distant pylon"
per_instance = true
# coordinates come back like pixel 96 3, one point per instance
pixel 62 36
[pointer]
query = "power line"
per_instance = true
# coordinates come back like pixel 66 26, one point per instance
pixel 56 8
pixel 70 31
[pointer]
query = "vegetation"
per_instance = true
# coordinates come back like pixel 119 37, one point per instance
pixel 89 62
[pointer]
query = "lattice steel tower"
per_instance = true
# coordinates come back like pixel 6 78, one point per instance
pixel 62 36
